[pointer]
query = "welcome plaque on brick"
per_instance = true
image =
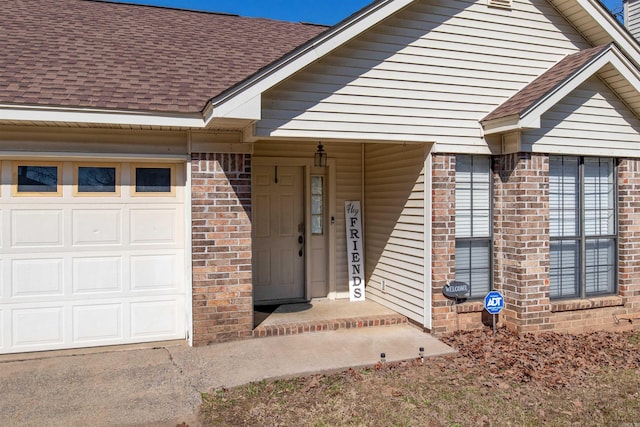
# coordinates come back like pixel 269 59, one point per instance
pixel 355 254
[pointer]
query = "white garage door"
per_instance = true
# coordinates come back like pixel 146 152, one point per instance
pixel 92 254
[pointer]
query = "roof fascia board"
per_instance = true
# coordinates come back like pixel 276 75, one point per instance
pixel 125 118
pixel 296 61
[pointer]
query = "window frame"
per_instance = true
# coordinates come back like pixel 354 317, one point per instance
pixel 14 183
pixel 489 240
pixel 136 166
pixel 581 238
pixel 76 179
pixel 321 215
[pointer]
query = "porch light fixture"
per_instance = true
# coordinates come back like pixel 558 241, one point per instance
pixel 320 158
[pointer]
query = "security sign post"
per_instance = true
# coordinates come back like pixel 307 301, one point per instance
pixel 494 303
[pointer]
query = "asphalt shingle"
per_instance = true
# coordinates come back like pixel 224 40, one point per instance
pixel 545 83
pixel 94 54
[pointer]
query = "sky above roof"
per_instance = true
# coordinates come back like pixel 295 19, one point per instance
pixel 326 12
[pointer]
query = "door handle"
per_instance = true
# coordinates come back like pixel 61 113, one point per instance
pixel 300 241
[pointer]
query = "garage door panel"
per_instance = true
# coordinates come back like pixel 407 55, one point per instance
pixel 97 274
pixel 79 271
pixel 154 272
pixel 99 322
pixel 37 277
pixel 155 319
pixel 96 227
pixel 154 226
pixel 38 327
pixel 31 228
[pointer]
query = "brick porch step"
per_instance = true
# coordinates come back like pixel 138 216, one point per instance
pixel 309 326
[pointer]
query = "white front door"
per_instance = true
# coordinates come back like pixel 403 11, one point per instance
pixel 279 233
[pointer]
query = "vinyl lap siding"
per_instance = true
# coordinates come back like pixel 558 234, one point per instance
pixel 632 17
pixel 427 75
pixel 590 121
pixel 394 227
pixel 348 187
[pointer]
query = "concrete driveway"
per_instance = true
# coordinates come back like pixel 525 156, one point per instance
pixel 162 385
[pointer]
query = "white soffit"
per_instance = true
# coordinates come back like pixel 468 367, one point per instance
pixel 605 20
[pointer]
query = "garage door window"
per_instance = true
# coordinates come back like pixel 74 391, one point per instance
pixel 37 179
pixel 154 179
pixel 102 180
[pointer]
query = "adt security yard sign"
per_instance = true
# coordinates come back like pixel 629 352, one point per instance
pixel 494 302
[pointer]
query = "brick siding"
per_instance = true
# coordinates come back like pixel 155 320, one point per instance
pixel 221 246
pixel 629 233
pixel 521 239
pixel 521 252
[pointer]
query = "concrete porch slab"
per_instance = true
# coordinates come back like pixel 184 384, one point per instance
pixel 237 363
pixel 326 315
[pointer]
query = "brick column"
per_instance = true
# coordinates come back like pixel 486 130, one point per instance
pixel 521 242
pixel 221 245
pixel 629 233
pixel 443 239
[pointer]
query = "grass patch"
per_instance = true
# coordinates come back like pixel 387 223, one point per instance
pixel 459 390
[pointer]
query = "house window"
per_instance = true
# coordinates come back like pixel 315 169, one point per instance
pixel 41 179
pixel 583 231
pixel 317 205
pixel 97 180
pixel 154 179
pixel 473 223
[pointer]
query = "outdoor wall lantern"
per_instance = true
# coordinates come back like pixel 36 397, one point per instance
pixel 320 158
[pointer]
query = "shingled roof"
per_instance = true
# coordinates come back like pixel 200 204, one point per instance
pixel 522 101
pixel 101 55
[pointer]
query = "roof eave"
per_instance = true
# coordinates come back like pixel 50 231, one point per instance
pixel 37 113
pixel 507 124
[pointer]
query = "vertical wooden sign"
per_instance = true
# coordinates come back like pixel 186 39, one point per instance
pixel 355 253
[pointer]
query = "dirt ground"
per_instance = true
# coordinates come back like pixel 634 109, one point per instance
pixel 504 379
